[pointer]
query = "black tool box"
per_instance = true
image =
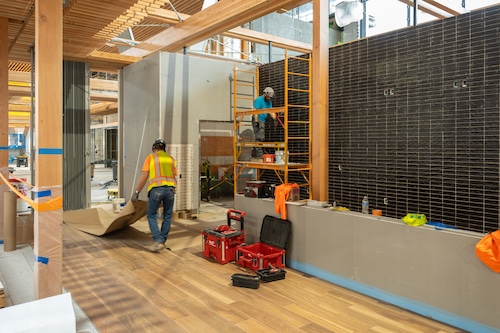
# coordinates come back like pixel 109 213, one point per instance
pixel 220 243
pixel 271 274
pixel 245 280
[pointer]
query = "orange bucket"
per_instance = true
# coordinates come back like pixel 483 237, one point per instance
pixel 268 158
pixel 376 212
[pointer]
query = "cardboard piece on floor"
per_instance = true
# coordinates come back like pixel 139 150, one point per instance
pixel 53 314
pixel 102 220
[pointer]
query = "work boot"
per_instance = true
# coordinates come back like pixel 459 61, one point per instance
pixel 156 247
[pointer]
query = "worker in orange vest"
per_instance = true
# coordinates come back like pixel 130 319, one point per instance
pixel 161 170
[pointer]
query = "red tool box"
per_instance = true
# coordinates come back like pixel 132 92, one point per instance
pixel 270 251
pixel 220 243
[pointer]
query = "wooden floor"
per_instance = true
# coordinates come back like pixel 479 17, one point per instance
pixel 123 288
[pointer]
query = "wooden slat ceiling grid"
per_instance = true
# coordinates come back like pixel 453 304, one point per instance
pixel 83 20
pixel 89 25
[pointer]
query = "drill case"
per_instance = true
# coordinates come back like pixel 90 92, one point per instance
pixel 271 274
pixel 220 243
pixel 270 251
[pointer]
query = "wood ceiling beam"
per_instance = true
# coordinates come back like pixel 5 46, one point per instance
pixel 103 96
pixel 169 17
pixel 19 91
pixel 446 8
pixel 19 76
pixel 436 12
pixel 103 109
pixel 19 124
pixel 19 108
pixel 19 118
pixel 117 58
pixel 99 84
pixel 263 38
pixel 216 19
pixel 105 89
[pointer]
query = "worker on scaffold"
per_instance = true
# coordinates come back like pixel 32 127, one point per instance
pixel 259 121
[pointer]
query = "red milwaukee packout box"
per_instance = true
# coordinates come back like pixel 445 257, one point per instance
pixel 220 243
pixel 270 251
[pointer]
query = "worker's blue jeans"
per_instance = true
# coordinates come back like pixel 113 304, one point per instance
pixel 259 132
pixel 157 196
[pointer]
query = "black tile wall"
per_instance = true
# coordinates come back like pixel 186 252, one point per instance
pixel 414 118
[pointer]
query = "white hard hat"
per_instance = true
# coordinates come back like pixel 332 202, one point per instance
pixel 269 91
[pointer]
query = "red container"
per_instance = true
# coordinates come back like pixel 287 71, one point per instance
pixel 270 251
pixel 220 243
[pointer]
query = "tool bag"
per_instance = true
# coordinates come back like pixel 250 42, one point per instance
pixel 488 251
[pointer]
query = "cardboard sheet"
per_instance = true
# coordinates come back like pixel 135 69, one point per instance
pixel 102 220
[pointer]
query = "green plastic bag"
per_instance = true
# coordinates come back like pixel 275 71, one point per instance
pixel 414 219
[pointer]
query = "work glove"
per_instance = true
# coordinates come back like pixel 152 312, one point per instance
pixel 135 197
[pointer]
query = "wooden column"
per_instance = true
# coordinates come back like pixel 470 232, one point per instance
pixel 244 49
pixel 48 149
pixel 319 174
pixel 4 106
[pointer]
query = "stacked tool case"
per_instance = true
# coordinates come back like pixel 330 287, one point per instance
pixel 270 251
pixel 220 243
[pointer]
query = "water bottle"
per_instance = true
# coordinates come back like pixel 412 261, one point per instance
pixel 365 205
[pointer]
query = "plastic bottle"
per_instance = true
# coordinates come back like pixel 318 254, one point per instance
pixel 365 205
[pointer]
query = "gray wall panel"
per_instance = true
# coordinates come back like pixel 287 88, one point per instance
pixel 178 91
pixel 432 272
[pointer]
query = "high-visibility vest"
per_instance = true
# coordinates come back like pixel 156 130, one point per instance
pixel 162 170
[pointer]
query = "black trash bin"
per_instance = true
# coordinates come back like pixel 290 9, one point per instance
pixel 114 165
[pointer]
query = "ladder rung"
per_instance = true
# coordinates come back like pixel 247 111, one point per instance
pixel 298 58
pixel 300 90
pixel 298 74
pixel 249 84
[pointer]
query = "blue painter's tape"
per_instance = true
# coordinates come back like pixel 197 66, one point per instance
pixel 1 241
pixel 43 260
pixel 41 194
pixel 422 309
pixel 4 147
pixel 50 151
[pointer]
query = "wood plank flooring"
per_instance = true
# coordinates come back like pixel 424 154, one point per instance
pixel 124 288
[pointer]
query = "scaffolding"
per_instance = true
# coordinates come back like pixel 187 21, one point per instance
pixel 290 143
